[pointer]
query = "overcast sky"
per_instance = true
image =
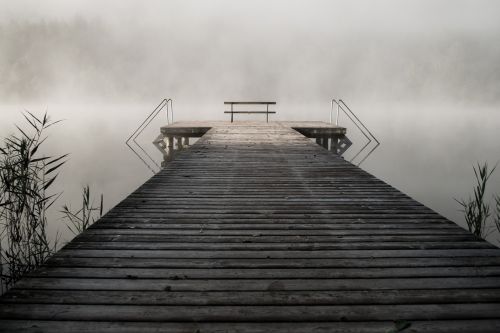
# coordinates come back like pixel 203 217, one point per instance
pixel 110 51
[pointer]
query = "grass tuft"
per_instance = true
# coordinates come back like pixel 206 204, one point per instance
pixel 80 220
pixel 25 180
pixel 476 210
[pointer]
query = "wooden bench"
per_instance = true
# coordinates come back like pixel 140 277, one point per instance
pixel 267 112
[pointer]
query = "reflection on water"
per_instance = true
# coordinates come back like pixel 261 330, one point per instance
pixel 427 151
pixel 341 108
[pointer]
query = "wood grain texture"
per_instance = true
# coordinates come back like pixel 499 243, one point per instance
pixel 256 228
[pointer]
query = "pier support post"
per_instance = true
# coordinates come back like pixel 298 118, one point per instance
pixel 169 145
pixel 170 140
pixel 334 145
pixel 325 142
pixel 179 142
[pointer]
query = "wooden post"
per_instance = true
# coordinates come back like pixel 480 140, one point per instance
pixel 267 113
pixel 170 140
pixel 334 146
pixel 318 141
pixel 231 112
pixel 170 155
pixel 179 142
pixel 325 142
pixel 186 141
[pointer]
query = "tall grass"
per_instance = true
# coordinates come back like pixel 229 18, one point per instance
pixel 497 212
pixel 475 208
pixel 25 182
pixel 81 219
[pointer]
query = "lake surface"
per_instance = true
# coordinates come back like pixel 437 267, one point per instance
pixel 427 149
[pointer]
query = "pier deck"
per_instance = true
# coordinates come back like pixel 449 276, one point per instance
pixel 199 128
pixel 255 228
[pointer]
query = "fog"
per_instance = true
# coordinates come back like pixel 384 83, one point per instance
pixel 423 75
pixel 108 51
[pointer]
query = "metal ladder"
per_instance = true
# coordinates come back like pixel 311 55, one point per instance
pixel 342 106
pixel 140 152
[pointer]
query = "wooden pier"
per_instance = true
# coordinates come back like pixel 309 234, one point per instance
pixel 256 228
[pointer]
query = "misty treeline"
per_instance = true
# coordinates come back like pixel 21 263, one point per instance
pixel 26 179
pixel 94 59
pixel 481 211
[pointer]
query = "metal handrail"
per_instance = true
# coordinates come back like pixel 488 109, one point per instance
pixel 371 134
pixel 132 139
pixel 342 106
pixel 339 107
pixel 331 112
pixel 348 108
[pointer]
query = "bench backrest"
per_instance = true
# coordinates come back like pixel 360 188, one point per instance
pixel 267 112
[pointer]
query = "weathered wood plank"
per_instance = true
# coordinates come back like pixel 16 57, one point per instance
pixel 278 254
pixel 87 297
pixel 249 313
pixel 268 273
pixel 209 225
pixel 132 283
pixel 264 262
pixel 155 246
pixel 456 326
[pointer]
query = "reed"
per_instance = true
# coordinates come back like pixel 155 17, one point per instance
pixel 475 208
pixel 80 220
pixel 25 182
pixel 497 212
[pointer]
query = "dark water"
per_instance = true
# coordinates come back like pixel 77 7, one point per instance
pixel 427 150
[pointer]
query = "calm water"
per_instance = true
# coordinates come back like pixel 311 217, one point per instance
pixel 427 150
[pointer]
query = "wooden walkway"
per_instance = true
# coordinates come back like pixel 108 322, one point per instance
pixel 255 228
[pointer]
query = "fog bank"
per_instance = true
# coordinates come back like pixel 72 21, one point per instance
pixel 131 51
